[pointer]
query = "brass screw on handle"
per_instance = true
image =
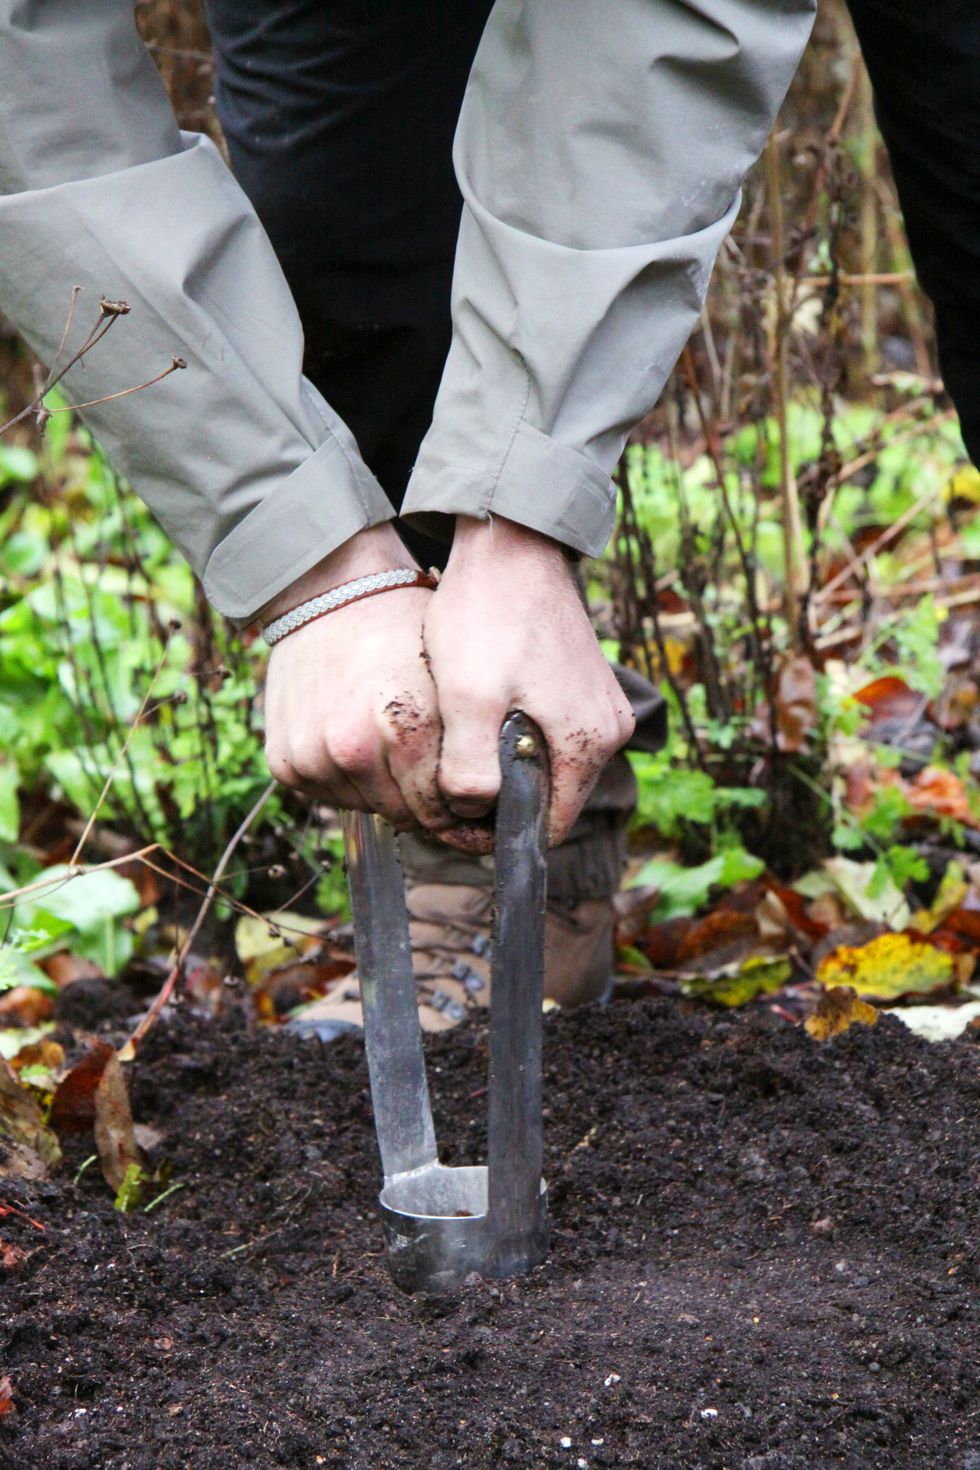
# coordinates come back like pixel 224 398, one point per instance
pixel 525 747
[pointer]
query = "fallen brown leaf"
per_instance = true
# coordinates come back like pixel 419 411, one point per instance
pixel 836 1011
pixel 796 703
pixel 780 904
pixel 26 1006
pixel 890 698
pixel 73 1104
pixel 11 1256
pixel 114 1137
pixel 63 968
pixel 28 1145
pixel 715 931
pixel 7 1405
pixel 941 793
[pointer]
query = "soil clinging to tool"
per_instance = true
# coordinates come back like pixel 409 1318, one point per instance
pixel 764 1258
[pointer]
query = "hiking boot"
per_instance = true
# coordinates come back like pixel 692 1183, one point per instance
pixel 450 925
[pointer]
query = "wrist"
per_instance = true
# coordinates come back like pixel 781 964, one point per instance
pixel 499 540
pixel 375 549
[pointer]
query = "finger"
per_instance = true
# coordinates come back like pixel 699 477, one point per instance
pixel 379 793
pixel 417 781
pixel 359 757
pixel 412 752
pixel 318 778
pixel 578 757
pixel 469 766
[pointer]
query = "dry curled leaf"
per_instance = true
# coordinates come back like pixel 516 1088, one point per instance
pixel 12 1257
pixel 73 1104
pixel 838 1009
pixel 114 1137
pixel 796 703
pixel 7 1405
pixel 941 793
pixel 28 1148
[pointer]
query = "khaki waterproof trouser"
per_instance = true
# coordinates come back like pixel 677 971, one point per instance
pixel 600 152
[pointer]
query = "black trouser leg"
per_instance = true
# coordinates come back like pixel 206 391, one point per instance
pixel 924 63
pixel 339 117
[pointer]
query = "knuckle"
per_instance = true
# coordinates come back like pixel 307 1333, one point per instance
pixel 469 785
pixel 282 770
pixel 350 750
pixel 626 721
pixel 309 763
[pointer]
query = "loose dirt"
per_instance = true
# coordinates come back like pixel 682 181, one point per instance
pixel 764 1258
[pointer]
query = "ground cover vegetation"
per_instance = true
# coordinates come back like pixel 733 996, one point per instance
pixel 796 564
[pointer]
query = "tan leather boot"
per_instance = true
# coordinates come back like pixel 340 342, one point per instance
pixel 450 926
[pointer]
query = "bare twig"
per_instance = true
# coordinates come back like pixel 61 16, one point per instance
pixel 128 1051
pixel 794 565
pixel 109 314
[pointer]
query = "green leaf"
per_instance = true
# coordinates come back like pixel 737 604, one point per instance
pixel 739 866
pixel 867 893
pixel 23 554
pixel 91 903
pixel 683 891
pixel 9 804
pixel 14 1038
pixel 16 969
pixel 17 464
pixel 132 1189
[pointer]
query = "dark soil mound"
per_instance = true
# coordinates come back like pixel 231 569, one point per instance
pixel 765 1258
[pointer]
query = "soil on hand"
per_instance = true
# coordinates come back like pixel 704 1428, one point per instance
pixel 764 1258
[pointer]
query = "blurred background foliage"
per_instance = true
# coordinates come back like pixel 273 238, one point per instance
pixel 795 563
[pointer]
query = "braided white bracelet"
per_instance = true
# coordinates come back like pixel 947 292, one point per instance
pixel 342 596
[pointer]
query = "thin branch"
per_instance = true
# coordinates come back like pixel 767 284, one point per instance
pixel 128 1051
pixel 175 366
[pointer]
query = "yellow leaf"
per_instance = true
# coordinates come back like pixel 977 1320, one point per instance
pixel 837 1010
pixel 891 965
pixel 965 485
pixel 949 896
pixel 736 984
pixel 259 935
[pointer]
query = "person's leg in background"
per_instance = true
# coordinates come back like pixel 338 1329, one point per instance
pixel 924 64
pixel 339 119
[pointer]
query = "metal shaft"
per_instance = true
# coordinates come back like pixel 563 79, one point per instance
pixel 516 992
pixel 393 1040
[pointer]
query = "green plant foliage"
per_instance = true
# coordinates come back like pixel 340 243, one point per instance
pixel 683 891
pixel 81 910
pixel 94 630
pixel 668 795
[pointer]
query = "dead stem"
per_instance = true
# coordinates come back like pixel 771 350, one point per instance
pixel 128 1051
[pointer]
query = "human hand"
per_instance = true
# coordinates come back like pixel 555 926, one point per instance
pixel 507 630
pixel 350 706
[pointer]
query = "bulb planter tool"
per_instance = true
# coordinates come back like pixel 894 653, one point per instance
pixel 442 1223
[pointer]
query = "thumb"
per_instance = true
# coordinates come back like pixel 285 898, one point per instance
pixel 469 766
